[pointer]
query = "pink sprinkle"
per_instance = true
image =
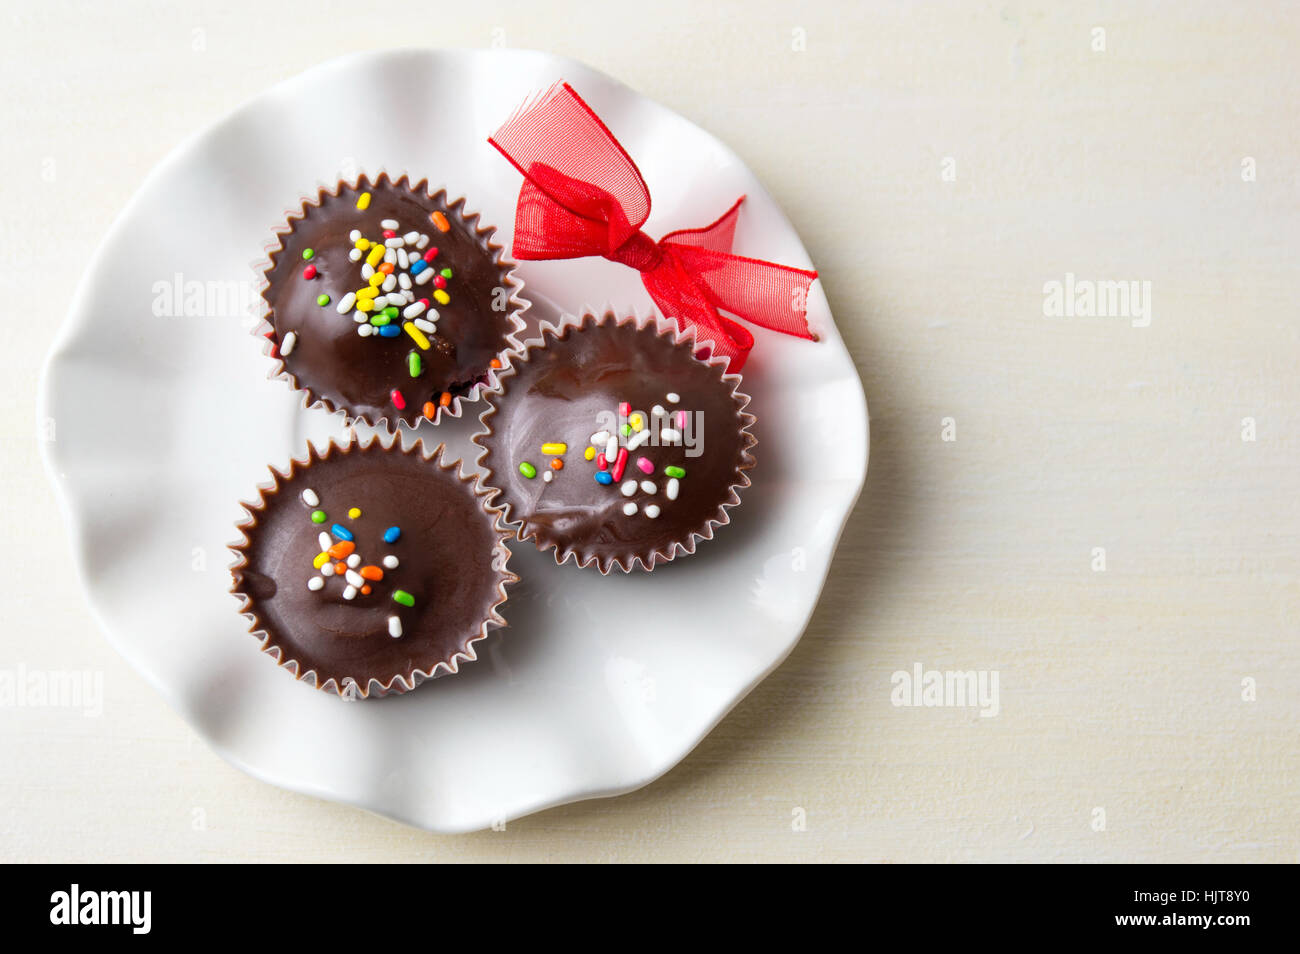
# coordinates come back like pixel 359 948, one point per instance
pixel 681 420
pixel 620 464
pixel 398 401
pixel 645 465
pixel 430 255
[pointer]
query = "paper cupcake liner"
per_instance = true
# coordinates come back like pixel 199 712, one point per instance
pixel 264 327
pixel 691 344
pixel 346 685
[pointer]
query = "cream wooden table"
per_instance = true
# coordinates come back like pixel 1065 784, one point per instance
pixel 1101 511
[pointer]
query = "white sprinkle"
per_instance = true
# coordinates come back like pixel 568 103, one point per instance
pixel 309 498
pixel 637 439
pixel 670 436
pixel 354 234
pixel 658 410
pixel 673 397
pixel 402 260
pixel 404 280
pixel 355 255
pixel 629 508
pixel 350 593
pixel 389 283
pixel 651 510
pixel 315 583
pixel 628 488
pixel 649 486
pixel 360 317
pixel 394 627
pixel 346 302
pixel 327 569
pixel 324 541
pixel 611 448
pixel 410 238
pixel 390 561
pixel 389 224
pixel 414 311
pixel 355 578
pixel 432 314
pixel 547 477
pixel 354 561
pixel 671 490
pixel 392 243
pixel 286 346
pixel 599 438
pixel 396 298
pixel 423 242
pixel 428 327
pixel 366 330
pixel 424 277
pixel 408 296
pixel 367 270
pixel 390 257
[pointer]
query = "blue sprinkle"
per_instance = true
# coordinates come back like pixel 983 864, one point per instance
pixel 343 533
pixel 604 477
pixel 419 266
pixel 391 534
pixel 390 331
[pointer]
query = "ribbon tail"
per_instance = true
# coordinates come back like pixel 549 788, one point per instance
pixel 680 299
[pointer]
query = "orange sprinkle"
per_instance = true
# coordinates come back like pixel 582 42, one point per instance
pixel 365 590
pixel 557 464
pixel 371 573
pixel 385 269
pixel 340 568
pixel 441 222
pixel 430 409
pixel 495 362
pixel 445 399
pixel 342 550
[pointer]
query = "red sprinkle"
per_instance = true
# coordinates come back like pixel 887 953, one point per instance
pixel 398 400
pixel 309 272
pixel 275 347
pixel 624 409
pixel 439 281
pixel 620 463
pixel 426 303
pixel 431 254
pixel 601 461
pixel 389 233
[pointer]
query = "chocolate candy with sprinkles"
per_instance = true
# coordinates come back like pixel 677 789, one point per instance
pixel 404 306
pixel 367 569
pixel 609 442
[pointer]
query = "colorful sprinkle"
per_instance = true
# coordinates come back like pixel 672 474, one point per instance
pixel 363 201
pixel 403 597
pixel 389 331
pixel 620 463
pixel 342 532
pixel 398 401
pixel 441 297
pixel 371 573
pixel 318 516
pixel 626 430
pixel 557 464
pixel 528 470
pixel 440 222
pixel 413 364
pixel 430 410
pixel 589 453
pixel 309 272
pixel 444 399
pixel 308 254
pixel 416 335
pixel 495 364
pixel 321 560
pixel 554 448
pixel 341 550
pixel 392 534
pixel 322 300
pixel 637 422
pixel 354 512
pixel 603 477
pixel 673 471
pixel 624 409
pixel 645 465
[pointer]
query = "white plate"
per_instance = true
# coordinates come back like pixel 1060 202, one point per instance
pixel 162 424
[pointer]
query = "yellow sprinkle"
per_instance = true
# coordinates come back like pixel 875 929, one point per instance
pixel 370 291
pixel 363 201
pixel 363 244
pixel 554 449
pixel 321 559
pixel 637 422
pixel 416 335
pixel 365 304
pixel 589 453
pixel 376 253
pixel 441 297
pixel 354 512
pixel 377 278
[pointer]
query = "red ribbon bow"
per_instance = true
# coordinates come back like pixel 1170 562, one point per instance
pixel 583 195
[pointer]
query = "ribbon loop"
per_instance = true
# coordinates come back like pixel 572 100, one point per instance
pixel 583 195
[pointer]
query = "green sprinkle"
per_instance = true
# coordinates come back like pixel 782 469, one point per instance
pixel 379 320
pixel 445 273
pixel 391 311
pixel 626 430
pixel 674 471
pixel 318 516
pixel 413 362
pixel 308 254
pixel 322 300
pixel 403 597
pixel 528 470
